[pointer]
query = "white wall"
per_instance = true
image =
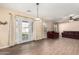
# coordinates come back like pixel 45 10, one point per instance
pixel 71 26
pixel 50 25
pixel 4 29
pixel 38 30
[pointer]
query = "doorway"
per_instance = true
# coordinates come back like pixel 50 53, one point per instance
pixel 24 30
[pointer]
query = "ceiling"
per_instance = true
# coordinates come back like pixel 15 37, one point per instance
pixel 50 11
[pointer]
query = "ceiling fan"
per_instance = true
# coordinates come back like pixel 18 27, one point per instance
pixel 74 17
pixel 69 18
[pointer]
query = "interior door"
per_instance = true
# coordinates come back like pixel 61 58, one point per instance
pixel 23 30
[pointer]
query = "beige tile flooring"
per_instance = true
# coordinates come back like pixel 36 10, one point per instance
pixel 63 46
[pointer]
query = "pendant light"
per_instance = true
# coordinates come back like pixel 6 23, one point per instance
pixel 37 5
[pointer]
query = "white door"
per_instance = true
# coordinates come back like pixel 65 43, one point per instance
pixel 23 30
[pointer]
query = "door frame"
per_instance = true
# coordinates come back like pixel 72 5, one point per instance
pixel 20 29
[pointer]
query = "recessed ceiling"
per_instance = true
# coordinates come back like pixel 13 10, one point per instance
pixel 51 11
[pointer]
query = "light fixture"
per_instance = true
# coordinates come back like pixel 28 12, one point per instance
pixel 37 18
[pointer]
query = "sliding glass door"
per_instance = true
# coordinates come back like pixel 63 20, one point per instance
pixel 26 30
pixel 23 30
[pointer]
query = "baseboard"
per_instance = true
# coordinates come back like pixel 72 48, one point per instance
pixel 4 47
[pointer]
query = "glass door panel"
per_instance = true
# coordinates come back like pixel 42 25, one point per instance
pixel 23 30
